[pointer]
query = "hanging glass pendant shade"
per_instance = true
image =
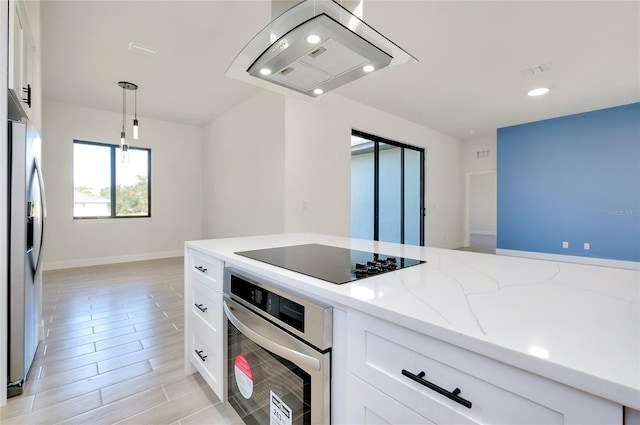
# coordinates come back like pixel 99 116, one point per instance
pixel 124 146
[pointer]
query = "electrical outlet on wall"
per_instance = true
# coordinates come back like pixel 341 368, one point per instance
pixel 587 246
pixel 565 244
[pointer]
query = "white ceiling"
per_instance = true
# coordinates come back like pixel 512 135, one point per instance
pixel 469 79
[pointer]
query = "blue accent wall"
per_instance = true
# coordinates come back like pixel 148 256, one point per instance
pixel 574 179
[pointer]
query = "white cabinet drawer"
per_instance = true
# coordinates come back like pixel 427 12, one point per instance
pixel 206 303
pixel 210 268
pixel 368 405
pixel 206 353
pixel 498 393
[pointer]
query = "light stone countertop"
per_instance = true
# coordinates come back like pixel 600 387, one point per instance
pixel 575 324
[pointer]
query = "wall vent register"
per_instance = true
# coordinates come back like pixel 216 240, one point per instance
pixel 330 263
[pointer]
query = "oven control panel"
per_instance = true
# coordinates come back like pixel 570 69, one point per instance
pixel 275 305
pixel 310 320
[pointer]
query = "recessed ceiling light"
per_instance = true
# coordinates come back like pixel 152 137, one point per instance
pixel 368 68
pixel 318 91
pixel 265 71
pixel 313 39
pixel 538 92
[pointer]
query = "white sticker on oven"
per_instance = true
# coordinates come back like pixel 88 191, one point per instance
pixel 244 376
pixel 280 412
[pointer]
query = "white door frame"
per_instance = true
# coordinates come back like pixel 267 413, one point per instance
pixel 4 189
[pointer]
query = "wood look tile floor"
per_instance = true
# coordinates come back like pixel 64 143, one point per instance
pixel 113 351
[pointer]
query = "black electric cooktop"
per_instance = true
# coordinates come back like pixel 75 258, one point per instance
pixel 330 263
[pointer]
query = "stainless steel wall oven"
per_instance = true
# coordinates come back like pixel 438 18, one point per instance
pixel 278 353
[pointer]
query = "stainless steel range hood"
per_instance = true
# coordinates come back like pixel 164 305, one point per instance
pixel 314 47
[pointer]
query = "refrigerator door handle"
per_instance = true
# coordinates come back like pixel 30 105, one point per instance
pixel 43 214
pixel 30 216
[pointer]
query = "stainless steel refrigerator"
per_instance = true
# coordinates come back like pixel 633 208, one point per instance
pixel 26 231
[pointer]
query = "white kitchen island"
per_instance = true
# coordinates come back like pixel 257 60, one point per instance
pixel 526 341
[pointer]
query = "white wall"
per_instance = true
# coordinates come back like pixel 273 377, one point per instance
pixel 243 173
pixel 318 167
pixel 273 164
pixel 282 164
pixel 470 148
pixel 176 190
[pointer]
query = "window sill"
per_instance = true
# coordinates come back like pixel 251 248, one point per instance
pixel 90 220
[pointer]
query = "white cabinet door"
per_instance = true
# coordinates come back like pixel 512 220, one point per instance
pixel 22 56
pixel 207 355
pixel 16 47
pixel 448 384
pixel 367 405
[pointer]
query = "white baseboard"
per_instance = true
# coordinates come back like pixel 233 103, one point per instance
pixel 85 262
pixel 632 265
pixel 483 232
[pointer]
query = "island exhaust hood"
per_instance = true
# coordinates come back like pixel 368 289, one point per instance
pixel 314 47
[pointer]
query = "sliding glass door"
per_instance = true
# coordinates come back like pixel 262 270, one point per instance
pixel 387 190
pixel 413 196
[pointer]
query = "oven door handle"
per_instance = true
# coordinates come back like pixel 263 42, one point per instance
pixel 288 353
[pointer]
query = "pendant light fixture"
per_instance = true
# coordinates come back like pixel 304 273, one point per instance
pixel 135 114
pixel 124 146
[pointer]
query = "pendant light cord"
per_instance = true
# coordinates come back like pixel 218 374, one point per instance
pixel 124 107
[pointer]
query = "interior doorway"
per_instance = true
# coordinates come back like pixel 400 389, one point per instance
pixel 387 190
pixel 481 212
